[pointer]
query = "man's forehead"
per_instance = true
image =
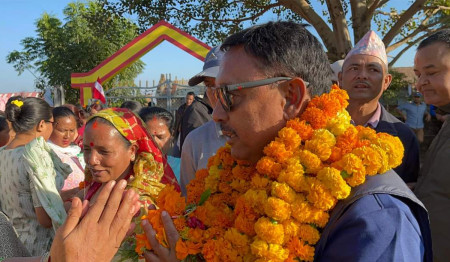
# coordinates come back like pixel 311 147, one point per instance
pixel 363 59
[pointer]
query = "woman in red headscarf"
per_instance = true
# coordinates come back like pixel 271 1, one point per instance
pixel 118 146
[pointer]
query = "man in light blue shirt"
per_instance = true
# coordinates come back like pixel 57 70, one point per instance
pixel 413 114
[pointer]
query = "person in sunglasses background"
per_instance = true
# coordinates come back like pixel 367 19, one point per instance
pixel 268 75
pixel 203 142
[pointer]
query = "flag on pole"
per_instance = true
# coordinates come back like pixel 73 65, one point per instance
pixel 97 92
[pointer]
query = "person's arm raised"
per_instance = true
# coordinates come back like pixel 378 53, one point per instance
pixel 101 230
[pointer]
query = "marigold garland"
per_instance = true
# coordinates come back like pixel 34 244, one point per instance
pixel 275 210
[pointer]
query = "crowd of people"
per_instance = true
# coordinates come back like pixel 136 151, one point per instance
pixel 72 179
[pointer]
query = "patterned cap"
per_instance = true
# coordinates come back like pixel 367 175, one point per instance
pixel 370 44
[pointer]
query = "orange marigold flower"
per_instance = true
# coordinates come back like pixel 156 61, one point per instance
pixel 371 159
pixel 267 166
pixel 278 151
pixel 291 228
pixel 309 234
pixel 243 172
pixel 332 179
pixel 260 182
pixel 212 181
pixel 348 140
pixel 257 198
pixel 269 252
pixel 319 195
pixel 277 209
pixel 315 117
pixel 289 137
pixel 352 169
pixel 240 185
pixel 393 148
pixel 366 136
pixel 339 94
pixel 336 154
pixel 239 241
pixel 269 231
pixel 304 212
pixel 384 159
pixel 171 201
pixel 310 161
pixel 303 129
pixel 293 175
pixel 299 249
pixel 185 248
pixel 196 187
pixel 142 244
pixel 283 191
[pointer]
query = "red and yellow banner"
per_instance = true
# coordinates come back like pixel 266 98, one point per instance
pixel 132 52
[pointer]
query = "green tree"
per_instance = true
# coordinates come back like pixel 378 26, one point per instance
pixel 89 35
pixel 214 20
pixel 397 89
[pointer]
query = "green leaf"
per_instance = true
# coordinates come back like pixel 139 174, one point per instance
pixel 205 195
pixel 345 175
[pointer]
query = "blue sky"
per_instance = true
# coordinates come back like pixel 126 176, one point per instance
pixel 18 21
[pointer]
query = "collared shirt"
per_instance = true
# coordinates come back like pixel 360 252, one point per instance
pixel 414 114
pixel 374 120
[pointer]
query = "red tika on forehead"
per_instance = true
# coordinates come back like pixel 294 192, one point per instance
pixel 95 124
pixel 91 144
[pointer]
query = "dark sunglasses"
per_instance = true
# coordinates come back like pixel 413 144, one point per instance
pixel 226 99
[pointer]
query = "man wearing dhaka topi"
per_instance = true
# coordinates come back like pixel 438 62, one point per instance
pixel 365 77
pixel 305 183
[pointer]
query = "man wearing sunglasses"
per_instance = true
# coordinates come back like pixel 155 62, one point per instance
pixel 267 76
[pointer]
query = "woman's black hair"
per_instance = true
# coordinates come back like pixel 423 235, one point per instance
pixel 3 123
pixel 148 113
pixel 26 113
pixel 62 111
pixel 104 121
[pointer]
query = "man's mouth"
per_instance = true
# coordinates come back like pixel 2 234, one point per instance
pixel 361 85
pixel 228 132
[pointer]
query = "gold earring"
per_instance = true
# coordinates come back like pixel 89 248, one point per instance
pixel 133 157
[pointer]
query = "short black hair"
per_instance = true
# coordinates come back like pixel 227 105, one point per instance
pixel 190 94
pixel 148 113
pixel 62 111
pixel 286 48
pixel 442 36
pixel 134 106
pixel 26 116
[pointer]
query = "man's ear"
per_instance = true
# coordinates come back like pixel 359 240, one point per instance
pixel 297 96
pixel 40 126
pixel 387 81
pixel 339 78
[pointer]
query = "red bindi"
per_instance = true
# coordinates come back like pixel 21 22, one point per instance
pixel 91 144
pixel 95 125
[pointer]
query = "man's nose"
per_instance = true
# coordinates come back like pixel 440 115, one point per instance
pixel 219 114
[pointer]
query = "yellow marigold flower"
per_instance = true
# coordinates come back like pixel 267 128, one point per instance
pixel 310 161
pixel 303 129
pixel 384 161
pixel 239 241
pixel 277 209
pixel 371 159
pixel 393 148
pixel 271 232
pixel 338 124
pixel 269 252
pixel 332 179
pixel 259 182
pixel 366 134
pixel 291 228
pixel 319 195
pixel 352 169
pixel 304 212
pixel 283 191
pixel 293 175
pixel 289 138
pixel 309 234
pixel 267 166
pixel 256 198
pixel 319 148
pixel 278 151
pixel 212 181
pixel 324 136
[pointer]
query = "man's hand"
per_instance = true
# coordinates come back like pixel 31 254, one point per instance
pixel 161 253
pixel 102 228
